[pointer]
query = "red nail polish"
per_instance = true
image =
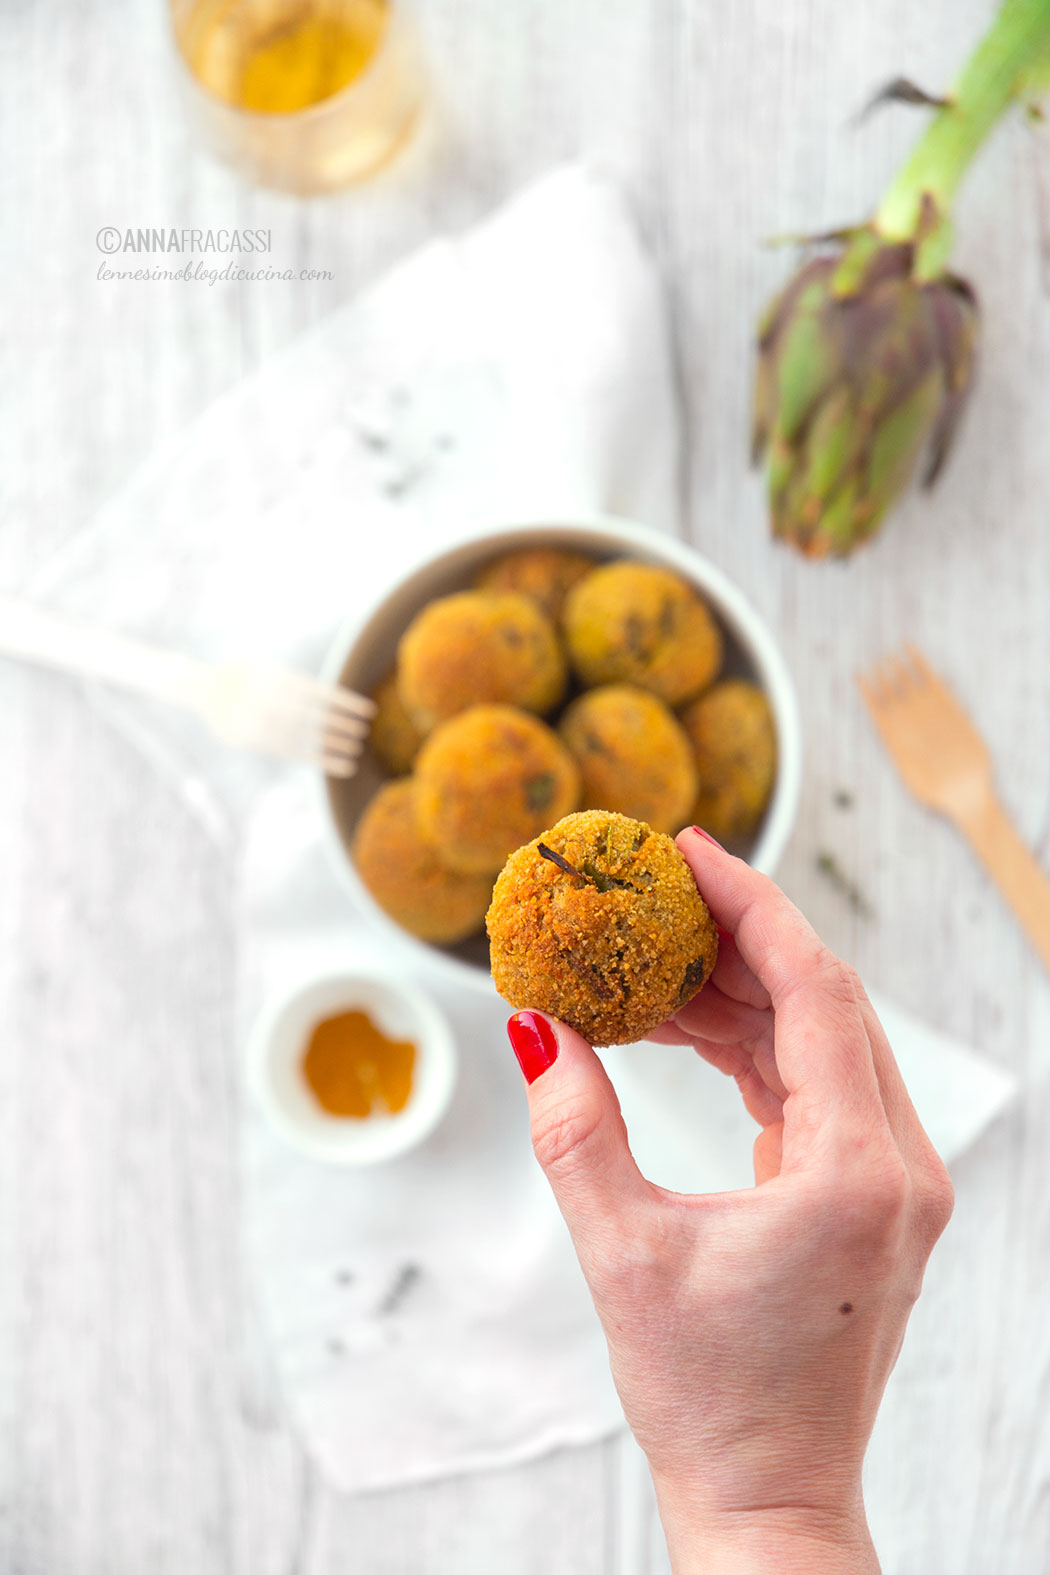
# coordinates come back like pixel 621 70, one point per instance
pixel 533 1042
pixel 723 935
pixel 708 837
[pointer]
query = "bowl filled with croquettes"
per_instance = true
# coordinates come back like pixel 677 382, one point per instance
pixel 535 671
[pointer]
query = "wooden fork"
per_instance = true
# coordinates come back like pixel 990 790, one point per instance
pixel 946 764
pixel 269 710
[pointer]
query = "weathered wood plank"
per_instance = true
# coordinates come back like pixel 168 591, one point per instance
pixel 138 1429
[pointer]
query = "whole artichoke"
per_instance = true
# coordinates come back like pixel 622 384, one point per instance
pixel 865 360
pixel 860 371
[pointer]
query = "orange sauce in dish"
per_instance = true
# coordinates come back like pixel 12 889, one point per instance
pixel 354 1070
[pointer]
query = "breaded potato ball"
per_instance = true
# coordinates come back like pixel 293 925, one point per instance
pixel 599 922
pixel 404 875
pixel 733 736
pixel 474 648
pixel 394 737
pixel 489 779
pixel 633 623
pixel 632 755
pixel 546 574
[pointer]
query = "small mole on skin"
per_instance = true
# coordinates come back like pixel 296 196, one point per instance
pixel 847 1307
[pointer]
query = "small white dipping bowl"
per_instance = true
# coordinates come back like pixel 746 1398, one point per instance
pixel 400 1010
pixel 365 649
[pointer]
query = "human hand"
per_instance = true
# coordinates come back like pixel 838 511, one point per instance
pixel 751 1333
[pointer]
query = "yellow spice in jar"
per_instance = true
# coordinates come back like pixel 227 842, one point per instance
pixel 354 1069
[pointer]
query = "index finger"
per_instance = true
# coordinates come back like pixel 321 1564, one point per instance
pixel 822 1048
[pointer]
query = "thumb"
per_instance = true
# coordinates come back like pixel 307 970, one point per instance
pixel 578 1133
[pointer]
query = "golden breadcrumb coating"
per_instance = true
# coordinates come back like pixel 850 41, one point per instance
pixel 612 945
pixel 393 738
pixel 476 648
pixel 632 755
pixel 633 623
pixel 489 779
pixel 404 875
pixel 734 739
pixel 547 574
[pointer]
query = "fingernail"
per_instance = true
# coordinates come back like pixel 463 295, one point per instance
pixel 532 1039
pixel 708 837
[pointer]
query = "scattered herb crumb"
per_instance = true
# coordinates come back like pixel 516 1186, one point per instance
pixel 588 975
pixel 829 866
pixel 634 635
pixel 376 441
pixel 843 798
pixel 539 790
pixel 404 1279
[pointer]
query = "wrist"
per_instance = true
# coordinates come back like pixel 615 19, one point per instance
pixel 771 1542
pixel 785 1539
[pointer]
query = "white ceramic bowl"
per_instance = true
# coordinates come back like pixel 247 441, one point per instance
pixel 365 649
pixel 275 1056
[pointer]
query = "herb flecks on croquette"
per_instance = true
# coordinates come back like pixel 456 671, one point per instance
pixel 596 877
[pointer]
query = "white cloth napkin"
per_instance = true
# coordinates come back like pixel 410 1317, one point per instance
pixel 427 1316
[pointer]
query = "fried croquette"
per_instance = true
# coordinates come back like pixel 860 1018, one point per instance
pixel 394 737
pixel 633 623
pixel 599 922
pixel 404 875
pixel 489 779
pixel 733 737
pixel 547 574
pixel 632 755
pixel 475 648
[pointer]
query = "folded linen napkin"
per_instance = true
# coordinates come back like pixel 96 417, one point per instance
pixel 426 1316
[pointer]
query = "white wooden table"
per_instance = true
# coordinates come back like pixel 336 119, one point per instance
pixel 134 1436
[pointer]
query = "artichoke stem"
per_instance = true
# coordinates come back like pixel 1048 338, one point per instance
pixel 998 71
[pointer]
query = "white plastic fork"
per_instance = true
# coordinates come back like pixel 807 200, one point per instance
pixel 265 709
